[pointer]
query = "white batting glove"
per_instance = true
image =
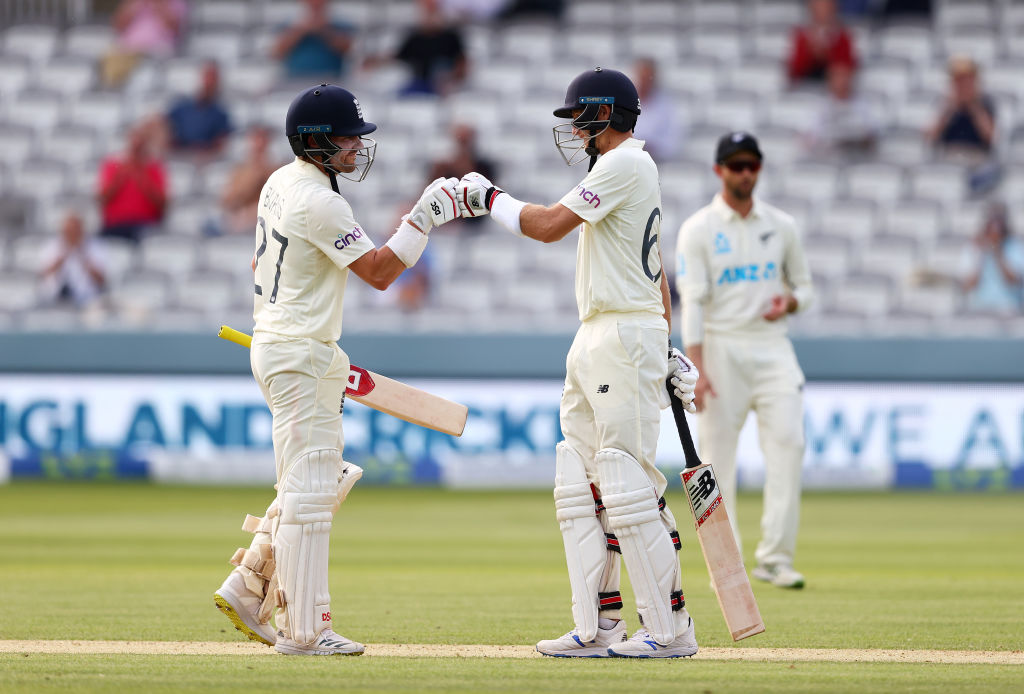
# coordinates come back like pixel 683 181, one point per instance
pixel 436 206
pixel 475 194
pixel 683 376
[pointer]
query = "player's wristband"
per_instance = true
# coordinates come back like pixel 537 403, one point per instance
pixel 505 211
pixel 407 243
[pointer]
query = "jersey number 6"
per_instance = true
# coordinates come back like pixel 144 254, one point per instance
pixel 283 240
pixel 650 240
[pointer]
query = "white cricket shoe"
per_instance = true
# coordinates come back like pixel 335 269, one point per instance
pixel 643 645
pixel 327 643
pixel 780 575
pixel 240 605
pixel 571 646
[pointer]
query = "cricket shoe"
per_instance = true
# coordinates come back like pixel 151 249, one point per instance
pixel 780 575
pixel 643 645
pixel 240 605
pixel 327 643
pixel 572 646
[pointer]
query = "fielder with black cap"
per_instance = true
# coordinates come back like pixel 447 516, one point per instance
pixel 307 240
pixel 740 270
pixel 608 492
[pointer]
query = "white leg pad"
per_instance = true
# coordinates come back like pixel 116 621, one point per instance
pixel 307 496
pixel 585 548
pixel 631 503
pixel 348 475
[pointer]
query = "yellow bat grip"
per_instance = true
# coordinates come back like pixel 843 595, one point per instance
pixel 232 335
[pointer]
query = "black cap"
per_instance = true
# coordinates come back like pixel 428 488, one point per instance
pixel 734 143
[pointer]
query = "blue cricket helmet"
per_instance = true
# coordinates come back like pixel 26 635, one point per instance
pixel 590 91
pixel 323 112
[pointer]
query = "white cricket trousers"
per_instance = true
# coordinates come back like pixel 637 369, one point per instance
pixel 616 366
pixel 758 373
pixel 303 381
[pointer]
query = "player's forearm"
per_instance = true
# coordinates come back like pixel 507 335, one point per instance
pixel 695 353
pixel 547 224
pixel 378 268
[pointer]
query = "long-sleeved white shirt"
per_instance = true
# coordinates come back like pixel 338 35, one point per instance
pixel 729 267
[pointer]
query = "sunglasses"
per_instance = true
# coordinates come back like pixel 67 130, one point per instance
pixel 741 166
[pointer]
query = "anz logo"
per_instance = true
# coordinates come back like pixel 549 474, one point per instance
pixel 748 273
pixel 345 240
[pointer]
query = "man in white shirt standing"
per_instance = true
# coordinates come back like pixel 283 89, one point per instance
pixel 608 492
pixel 740 271
pixel 307 241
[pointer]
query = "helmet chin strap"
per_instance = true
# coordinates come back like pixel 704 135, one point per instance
pixel 334 181
pixel 592 149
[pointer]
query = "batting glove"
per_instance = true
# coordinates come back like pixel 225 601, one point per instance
pixel 683 376
pixel 476 194
pixel 436 206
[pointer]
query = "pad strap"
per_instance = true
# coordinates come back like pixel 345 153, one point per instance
pixel 676 542
pixel 610 601
pixel 612 542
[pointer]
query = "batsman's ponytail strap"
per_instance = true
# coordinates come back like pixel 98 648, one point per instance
pixel 505 210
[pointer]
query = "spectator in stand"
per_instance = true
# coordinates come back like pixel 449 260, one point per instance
pixel 200 124
pixel 847 126
pixel 464 154
pixel 993 268
pixel 132 187
pixel 662 126
pixel 315 47
pixel 820 43
pixel 150 28
pixel 549 9
pixel 433 52
pixel 73 266
pixel 967 122
pixel 921 9
pixel 464 157
pixel 241 195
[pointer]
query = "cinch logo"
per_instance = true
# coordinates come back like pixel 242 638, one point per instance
pixel 589 196
pixel 345 239
pixel 748 273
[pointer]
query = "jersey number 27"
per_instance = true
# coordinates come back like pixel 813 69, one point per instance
pixel 283 240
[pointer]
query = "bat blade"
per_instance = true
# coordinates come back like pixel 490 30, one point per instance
pixel 714 532
pixel 389 396
pixel 721 554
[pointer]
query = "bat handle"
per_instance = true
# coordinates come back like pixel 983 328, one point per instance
pixel 683 427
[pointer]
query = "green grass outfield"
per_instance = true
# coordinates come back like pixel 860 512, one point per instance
pixel 424 566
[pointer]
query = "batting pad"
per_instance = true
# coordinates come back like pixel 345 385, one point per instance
pixel 586 550
pixel 631 502
pixel 307 496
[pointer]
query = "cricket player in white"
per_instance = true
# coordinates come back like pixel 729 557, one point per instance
pixel 608 492
pixel 307 240
pixel 740 271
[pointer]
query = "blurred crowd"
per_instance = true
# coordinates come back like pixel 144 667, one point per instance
pixel 132 195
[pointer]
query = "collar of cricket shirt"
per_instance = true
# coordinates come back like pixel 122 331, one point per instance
pixel 310 170
pixel 728 214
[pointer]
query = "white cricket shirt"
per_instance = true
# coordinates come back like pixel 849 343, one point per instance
pixel 729 267
pixel 306 237
pixel 618 259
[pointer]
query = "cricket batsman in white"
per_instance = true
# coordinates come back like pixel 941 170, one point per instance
pixel 740 270
pixel 608 492
pixel 307 241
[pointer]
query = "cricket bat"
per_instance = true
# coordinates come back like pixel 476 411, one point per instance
pixel 714 532
pixel 389 396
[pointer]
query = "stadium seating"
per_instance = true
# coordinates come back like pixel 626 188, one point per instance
pixel 867 225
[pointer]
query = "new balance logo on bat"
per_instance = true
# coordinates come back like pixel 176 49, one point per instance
pixel 602 389
pixel 703 488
